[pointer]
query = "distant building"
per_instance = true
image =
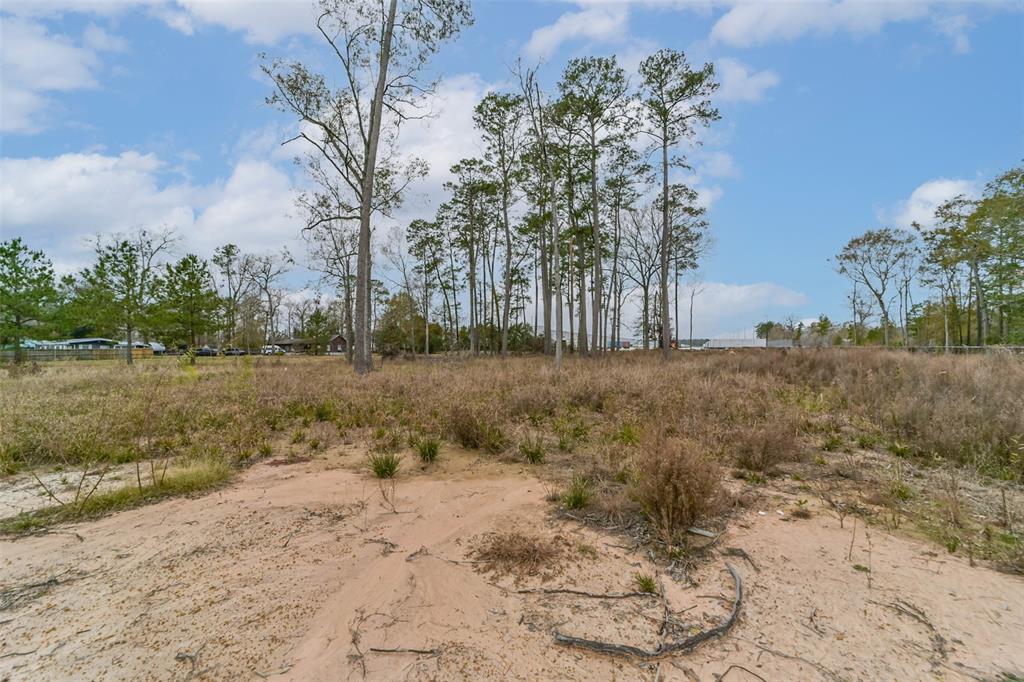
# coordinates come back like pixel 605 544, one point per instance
pixel 338 344
pixel 83 344
pixel 735 343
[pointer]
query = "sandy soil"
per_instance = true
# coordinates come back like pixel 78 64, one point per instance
pixel 299 571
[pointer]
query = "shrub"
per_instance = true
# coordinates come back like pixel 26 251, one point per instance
pixel 578 494
pixel 427 449
pixel 473 429
pixel 325 411
pixel 765 445
pixel 384 464
pixel 675 484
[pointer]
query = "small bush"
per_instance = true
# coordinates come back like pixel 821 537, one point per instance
pixel 473 429
pixel 384 464
pixel 427 449
pixel 578 494
pixel 675 484
pixel 763 446
pixel 325 411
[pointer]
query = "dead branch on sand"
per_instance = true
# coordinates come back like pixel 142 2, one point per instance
pixel 663 648
pixel 581 593
pixel 405 650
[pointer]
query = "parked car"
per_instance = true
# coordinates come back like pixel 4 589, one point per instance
pixel 207 352
pixel 272 350
pixel 158 348
pixel 231 350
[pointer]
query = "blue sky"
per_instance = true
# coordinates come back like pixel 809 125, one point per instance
pixel 837 117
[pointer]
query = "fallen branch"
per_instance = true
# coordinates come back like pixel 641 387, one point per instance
pixel 687 644
pixel 742 553
pixel 404 650
pixel 581 593
pixel 19 653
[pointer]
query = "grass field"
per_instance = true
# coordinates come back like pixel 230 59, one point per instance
pixel 624 436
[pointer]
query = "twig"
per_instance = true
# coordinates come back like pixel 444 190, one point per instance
pixel 389 546
pixel 271 673
pixel 19 653
pixel 687 644
pixel 781 654
pixel 740 667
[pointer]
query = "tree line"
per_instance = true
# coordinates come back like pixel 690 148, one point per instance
pixel 137 291
pixel 562 209
pixel 956 282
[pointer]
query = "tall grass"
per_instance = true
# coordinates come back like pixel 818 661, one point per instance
pixel 751 408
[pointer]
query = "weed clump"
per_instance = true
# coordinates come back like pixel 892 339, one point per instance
pixel 428 449
pixel 384 464
pixel 532 449
pixel 474 429
pixel 645 582
pixel 578 494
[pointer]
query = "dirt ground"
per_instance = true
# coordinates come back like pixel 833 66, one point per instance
pixel 302 571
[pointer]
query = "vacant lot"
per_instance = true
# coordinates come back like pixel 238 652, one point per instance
pixel 870 502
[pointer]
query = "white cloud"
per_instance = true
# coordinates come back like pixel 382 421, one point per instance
pixel 718 164
pixel 34 62
pixel 443 139
pixel 740 84
pixel 599 22
pixel 748 24
pixel 262 22
pixel 59 203
pixel 955 27
pixel 921 204
pixel 265 22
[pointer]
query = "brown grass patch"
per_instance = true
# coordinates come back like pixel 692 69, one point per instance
pixel 519 554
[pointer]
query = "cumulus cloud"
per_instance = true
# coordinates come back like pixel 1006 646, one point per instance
pixel 748 24
pixel 740 83
pixel 920 206
pixel 598 22
pixel 265 22
pixel 58 204
pixel 36 62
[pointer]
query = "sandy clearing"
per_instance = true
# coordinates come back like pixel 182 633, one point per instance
pixel 279 573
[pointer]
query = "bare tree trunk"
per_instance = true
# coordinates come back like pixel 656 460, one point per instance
pixel 675 299
pixel 596 233
pixel 507 303
pixel 363 357
pixel 664 245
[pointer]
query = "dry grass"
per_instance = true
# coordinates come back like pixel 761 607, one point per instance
pixel 645 435
pixel 676 484
pixel 519 554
